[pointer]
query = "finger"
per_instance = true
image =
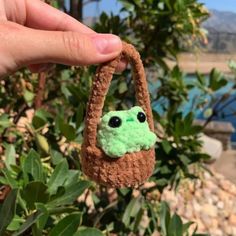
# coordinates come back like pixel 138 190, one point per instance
pixel 2 11
pixel 70 48
pixel 42 16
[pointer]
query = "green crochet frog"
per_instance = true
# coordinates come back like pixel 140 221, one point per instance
pixel 122 132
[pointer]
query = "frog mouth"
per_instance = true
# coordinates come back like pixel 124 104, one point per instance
pixel 129 119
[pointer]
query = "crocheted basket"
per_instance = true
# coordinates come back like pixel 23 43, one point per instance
pixel 132 169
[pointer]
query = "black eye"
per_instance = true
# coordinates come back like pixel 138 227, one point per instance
pixel 114 122
pixel 141 117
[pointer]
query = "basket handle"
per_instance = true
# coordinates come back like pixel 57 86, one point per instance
pixel 101 84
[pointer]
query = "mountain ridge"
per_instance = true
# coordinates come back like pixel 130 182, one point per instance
pixel 221 27
pixel 221 21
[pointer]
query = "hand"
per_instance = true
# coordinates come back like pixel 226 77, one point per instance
pixel 32 34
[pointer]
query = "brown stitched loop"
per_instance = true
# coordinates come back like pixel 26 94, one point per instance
pixel 101 85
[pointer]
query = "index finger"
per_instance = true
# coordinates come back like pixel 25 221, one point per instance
pixel 40 15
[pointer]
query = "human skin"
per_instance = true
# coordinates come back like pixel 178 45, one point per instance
pixel 34 34
pixel 129 134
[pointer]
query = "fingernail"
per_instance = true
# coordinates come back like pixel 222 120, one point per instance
pixel 107 43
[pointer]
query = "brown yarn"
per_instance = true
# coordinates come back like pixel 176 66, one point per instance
pixel 132 169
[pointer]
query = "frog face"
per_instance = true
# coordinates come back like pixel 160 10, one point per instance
pixel 122 132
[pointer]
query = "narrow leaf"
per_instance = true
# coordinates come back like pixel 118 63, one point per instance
pixel 33 165
pixel 8 210
pixel 176 226
pixel 67 226
pixel 131 210
pixel 71 194
pixel 164 217
pixel 58 176
pixel 83 231
pixel 28 223
pixel 9 179
pixel 10 155
pixel 42 220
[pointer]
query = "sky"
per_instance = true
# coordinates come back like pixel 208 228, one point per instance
pixel 94 9
pixel 224 5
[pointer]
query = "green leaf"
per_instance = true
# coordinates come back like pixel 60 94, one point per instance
pixel 35 192
pixel 3 180
pixel 68 131
pixel 165 169
pixel 28 223
pixel 87 231
pixel 162 182
pixel 9 179
pixel 15 223
pixel 40 118
pixel 38 122
pixel 186 226
pixel 56 156
pixel 122 87
pixel 164 218
pixel 124 191
pixel 72 177
pixel 42 143
pixel 71 194
pixel 10 155
pixel 184 159
pixel 60 192
pixel 79 115
pixel 175 226
pixel 153 216
pixel 201 79
pixel 216 80
pixel 67 226
pixel 42 220
pixel 29 97
pixel 131 210
pixel 33 166
pixel 166 146
pixel 58 176
pixel 138 219
pixel 66 74
pixel 4 122
pixel 8 210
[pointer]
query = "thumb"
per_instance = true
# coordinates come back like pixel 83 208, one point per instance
pixel 71 48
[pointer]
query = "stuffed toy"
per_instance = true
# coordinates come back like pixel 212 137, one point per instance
pixel 121 132
pixel 118 148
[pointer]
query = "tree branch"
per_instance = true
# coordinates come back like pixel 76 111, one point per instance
pixel 41 87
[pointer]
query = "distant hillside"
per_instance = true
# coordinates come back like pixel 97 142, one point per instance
pixel 222 32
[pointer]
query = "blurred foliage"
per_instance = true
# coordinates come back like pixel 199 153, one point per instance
pixel 220 92
pixel 40 145
pixel 158 28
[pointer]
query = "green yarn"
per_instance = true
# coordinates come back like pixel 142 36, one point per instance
pixel 131 136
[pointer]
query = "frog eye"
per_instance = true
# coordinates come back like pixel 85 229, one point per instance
pixel 114 122
pixel 141 117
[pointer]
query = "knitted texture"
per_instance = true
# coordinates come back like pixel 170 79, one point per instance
pixel 132 169
pixel 122 132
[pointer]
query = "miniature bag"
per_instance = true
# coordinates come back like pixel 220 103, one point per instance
pixel 132 168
